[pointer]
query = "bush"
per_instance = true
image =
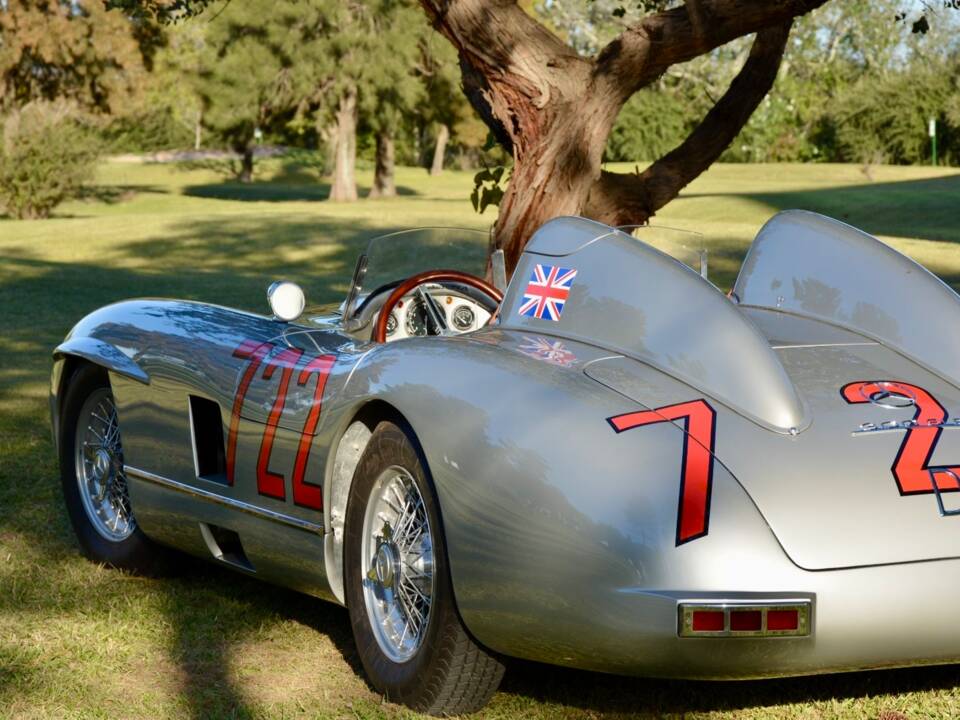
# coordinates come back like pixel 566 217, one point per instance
pixel 146 131
pixel 46 156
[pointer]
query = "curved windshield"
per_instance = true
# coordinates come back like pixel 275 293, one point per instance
pixel 392 258
pixel 686 246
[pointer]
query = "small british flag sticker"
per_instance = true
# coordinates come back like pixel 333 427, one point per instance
pixel 547 292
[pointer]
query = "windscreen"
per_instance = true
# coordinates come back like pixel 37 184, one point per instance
pixel 391 258
pixel 684 245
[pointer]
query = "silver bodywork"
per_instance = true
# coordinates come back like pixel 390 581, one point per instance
pixel 564 537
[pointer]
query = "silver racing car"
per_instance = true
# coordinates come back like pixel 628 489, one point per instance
pixel 608 464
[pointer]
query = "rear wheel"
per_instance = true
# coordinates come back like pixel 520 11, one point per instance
pixel 93 478
pixel 411 640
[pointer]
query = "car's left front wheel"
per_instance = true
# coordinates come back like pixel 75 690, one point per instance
pixel 93 478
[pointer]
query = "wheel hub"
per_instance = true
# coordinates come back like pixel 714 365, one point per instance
pixel 386 563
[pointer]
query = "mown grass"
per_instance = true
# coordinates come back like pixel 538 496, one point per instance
pixel 77 640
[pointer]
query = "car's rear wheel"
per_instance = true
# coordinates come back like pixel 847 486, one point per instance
pixel 94 482
pixel 411 640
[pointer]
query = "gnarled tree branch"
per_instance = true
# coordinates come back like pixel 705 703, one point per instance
pixel 619 199
pixel 643 52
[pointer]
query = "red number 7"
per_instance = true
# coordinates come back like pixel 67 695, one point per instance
pixel 696 475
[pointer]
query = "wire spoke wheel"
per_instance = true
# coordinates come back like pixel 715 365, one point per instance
pixel 397 564
pixel 99 468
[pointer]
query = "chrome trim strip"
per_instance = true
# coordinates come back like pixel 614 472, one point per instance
pixel 238 505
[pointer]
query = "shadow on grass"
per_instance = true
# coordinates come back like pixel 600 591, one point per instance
pixel 113 194
pixel 228 262
pixel 630 696
pixel 273 191
pixel 925 209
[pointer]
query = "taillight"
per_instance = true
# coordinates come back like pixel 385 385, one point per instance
pixel 774 619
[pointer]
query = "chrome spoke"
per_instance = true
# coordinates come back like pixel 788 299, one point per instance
pixel 99 468
pixel 398 566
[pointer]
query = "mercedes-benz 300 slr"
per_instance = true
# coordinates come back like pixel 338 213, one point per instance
pixel 608 464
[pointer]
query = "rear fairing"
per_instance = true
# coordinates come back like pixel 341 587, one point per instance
pixel 834 497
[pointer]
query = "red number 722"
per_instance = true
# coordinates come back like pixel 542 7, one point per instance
pixel 287 361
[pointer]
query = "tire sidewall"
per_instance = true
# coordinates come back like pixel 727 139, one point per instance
pixel 135 552
pixel 391 445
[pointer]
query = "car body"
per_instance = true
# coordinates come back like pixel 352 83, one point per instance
pixel 622 447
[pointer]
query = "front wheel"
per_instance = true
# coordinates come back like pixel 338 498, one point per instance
pixel 93 478
pixel 409 635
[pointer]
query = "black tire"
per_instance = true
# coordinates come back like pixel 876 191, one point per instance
pixel 135 553
pixel 450 673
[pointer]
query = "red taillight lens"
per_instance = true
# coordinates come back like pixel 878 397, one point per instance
pixel 783 620
pixel 732 619
pixel 707 620
pixel 746 620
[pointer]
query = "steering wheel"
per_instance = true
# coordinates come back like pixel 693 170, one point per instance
pixel 415 282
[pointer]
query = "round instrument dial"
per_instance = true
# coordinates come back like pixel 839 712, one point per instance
pixel 463 318
pixel 416 323
pixel 392 324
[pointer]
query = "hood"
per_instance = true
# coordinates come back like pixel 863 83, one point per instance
pixel 852 488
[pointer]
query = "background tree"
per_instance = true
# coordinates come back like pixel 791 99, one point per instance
pixel 71 51
pixel 243 77
pixel 444 103
pixel 177 68
pixel 553 108
pixel 64 67
pixel 389 87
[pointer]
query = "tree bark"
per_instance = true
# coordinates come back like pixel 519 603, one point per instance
pixel 245 151
pixel 553 110
pixel 197 129
pixel 344 188
pixel 440 149
pixel 383 179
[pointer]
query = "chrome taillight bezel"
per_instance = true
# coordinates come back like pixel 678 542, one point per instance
pixel 686 610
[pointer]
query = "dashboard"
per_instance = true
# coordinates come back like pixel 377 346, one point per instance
pixel 410 318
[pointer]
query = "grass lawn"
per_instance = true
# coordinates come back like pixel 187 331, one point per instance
pixel 77 640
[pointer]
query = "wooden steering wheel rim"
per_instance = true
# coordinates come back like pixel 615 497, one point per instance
pixel 380 329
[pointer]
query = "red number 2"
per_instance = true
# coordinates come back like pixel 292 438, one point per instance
pixel 911 468
pixel 696 475
pixel 270 483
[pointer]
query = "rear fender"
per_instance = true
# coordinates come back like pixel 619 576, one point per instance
pixel 557 526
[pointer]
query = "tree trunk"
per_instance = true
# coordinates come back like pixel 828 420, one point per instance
pixel 197 129
pixel 552 175
pixel 246 162
pixel 383 180
pixel 553 109
pixel 344 188
pixel 440 150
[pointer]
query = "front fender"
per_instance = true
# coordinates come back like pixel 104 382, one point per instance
pixel 104 354
pixel 98 352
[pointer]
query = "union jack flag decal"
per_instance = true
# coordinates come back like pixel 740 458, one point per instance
pixel 551 351
pixel 547 292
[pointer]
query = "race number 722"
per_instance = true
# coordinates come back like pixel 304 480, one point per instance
pixel 288 363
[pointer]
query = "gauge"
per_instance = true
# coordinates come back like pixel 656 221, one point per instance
pixel 463 318
pixel 392 324
pixel 416 318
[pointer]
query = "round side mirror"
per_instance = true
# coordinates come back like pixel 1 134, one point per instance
pixel 286 300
